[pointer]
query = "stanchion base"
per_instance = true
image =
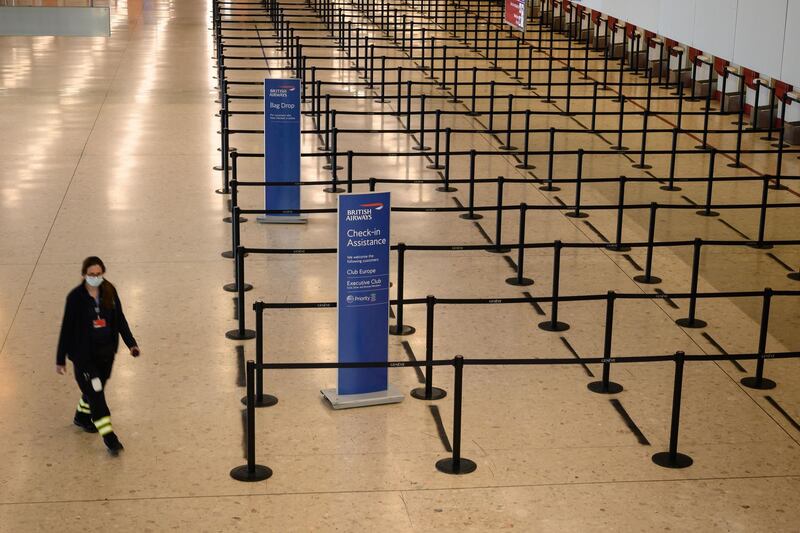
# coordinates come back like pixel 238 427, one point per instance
pixel 736 165
pixel 473 216
pixel 704 213
pixel 227 254
pixel 260 473
pixel 701 147
pixel 508 148
pixel 329 167
pixel 573 214
pixel 448 466
pixel 642 167
pixel 794 275
pixel 777 187
pixel 751 382
pixel 216 167
pixel 600 388
pixel 333 189
pixel 473 114
pixel 523 166
pixel 762 246
pixel 500 250
pixel 693 324
pixel 618 148
pixel 236 335
pixel 567 114
pixel 231 287
pixel 665 459
pixel 267 400
pixel 652 280
pixel 380 100
pixel 672 188
pixel 530 88
pixel 454 101
pixel 435 167
pixel 549 188
pixel 221 191
pixel 436 393
pixel 548 101
pixel 405 330
pixel 549 326
pixel 228 220
pixel 618 248
pixel 421 148
pixel 446 189
pixel 517 282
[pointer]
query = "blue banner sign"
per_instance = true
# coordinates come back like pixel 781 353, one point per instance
pixel 282 147
pixel 363 300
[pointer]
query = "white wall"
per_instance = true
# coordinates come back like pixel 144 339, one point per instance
pixel 762 35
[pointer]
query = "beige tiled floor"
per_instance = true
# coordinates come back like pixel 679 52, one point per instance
pixel 108 149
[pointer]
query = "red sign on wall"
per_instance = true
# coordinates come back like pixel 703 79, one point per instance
pixel 515 14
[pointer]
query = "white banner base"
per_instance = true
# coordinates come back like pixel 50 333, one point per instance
pixel 348 401
pixel 276 219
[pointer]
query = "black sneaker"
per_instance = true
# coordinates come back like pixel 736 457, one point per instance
pixel 84 424
pixel 112 443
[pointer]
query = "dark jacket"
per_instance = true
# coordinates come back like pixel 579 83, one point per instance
pixel 77 340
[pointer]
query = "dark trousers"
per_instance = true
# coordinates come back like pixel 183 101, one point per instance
pixel 98 366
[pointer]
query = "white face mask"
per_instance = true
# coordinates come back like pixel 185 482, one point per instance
pixel 94 281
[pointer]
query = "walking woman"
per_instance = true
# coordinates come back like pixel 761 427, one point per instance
pixel 93 323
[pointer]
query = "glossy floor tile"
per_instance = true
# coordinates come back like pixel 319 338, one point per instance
pixel 109 148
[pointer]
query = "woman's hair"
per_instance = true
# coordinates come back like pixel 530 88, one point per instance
pixel 107 291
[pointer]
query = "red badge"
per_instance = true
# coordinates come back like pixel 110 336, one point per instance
pixel 99 323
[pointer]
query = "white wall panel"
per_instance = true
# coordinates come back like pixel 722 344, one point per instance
pixel 676 19
pixel 760 28
pixel 715 27
pixel 642 13
pixel 790 71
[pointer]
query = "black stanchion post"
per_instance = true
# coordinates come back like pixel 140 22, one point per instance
pixel 529 86
pixel 457 464
pixel 520 280
pixel 492 86
pixel 471 214
pixel 759 381
pixel 670 186
pixel 643 149
pixel 691 321
pixel 446 186
pixel 553 324
pixel 577 213
pixel 762 216
pixel 240 333
pixel 706 211
pixel 421 145
pixel 251 471
pixel 429 392
pixel 473 112
pixel 509 125
pixel 400 328
pixel 525 165
pixel 437 141
pixel 261 399
pixel 740 125
pixel 779 158
pixel 618 246
pixel 606 386
pixel 550 163
pixel 648 276
pixel 568 106
pixel 498 247
pixel 594 107
pixel 619 147
pixel 456 70
pixel 382 99
pixel 671 458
